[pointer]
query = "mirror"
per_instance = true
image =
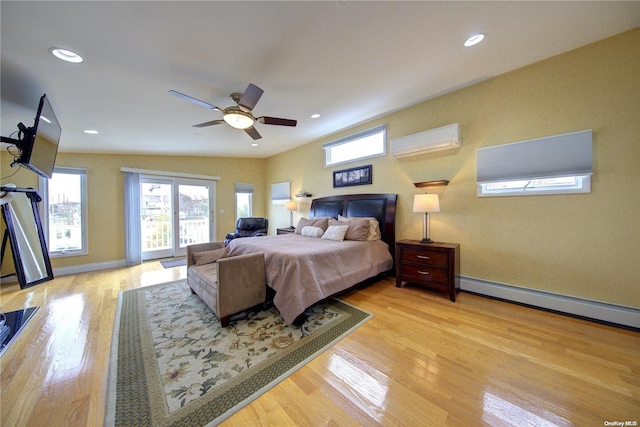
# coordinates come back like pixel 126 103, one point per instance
pixel 24 233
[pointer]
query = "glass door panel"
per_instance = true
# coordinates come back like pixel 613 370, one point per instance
pixel 156 218
pixel 194 218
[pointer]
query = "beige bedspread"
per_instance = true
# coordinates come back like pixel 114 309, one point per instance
pixel 304 270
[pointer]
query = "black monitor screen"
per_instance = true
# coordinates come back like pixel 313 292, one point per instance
pixel 39 155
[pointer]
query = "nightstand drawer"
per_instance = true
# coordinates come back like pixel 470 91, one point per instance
pixel 423 273
pixel 436 259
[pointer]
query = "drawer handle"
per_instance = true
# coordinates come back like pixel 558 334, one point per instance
pixel 422 257
pixel 424 273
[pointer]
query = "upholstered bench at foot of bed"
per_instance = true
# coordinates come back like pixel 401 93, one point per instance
pixel 228 285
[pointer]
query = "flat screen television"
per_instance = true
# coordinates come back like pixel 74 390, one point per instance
pixel 38 145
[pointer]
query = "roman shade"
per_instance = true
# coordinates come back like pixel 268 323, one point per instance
pixel 243 188
pixel 280 193
pixel 551 157
pixel 359 135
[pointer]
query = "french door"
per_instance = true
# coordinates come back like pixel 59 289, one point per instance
pixel 174 213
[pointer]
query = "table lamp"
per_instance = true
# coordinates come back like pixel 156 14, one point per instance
pixel 426 203
pixel 291 207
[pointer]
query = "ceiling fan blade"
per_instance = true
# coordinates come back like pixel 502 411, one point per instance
pixel 250 97
pixel 194 100
pixel 211 123
pixel 276 121
pixel 253 133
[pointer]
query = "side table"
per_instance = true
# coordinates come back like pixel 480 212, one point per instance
pixel 435 265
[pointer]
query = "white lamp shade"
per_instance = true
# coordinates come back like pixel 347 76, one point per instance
pixel 426 203
pixel 291 206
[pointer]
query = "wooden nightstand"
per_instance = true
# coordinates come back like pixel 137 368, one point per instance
pixel 287 230
pixel 436 265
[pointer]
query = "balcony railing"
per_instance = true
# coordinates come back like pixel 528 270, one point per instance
pixel 158 234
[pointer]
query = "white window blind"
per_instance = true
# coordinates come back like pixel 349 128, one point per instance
pixel 280 193
pixel 551 157
pixel 132 223
pixel 243 188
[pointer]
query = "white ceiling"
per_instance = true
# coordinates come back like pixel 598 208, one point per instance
pixel 348 61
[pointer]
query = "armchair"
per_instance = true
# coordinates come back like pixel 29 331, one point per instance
pixel 248 227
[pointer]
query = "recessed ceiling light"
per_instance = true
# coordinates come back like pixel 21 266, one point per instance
pixel 66 55
pixel 315 116
pixel 474 40
pixel 255 144
pixel 91 131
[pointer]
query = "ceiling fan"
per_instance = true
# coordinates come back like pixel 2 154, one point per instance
pixel 239 116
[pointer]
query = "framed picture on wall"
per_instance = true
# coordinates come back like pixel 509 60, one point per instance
pixel 354 176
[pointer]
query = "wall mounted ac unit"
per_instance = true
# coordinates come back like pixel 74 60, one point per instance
pixel 442 138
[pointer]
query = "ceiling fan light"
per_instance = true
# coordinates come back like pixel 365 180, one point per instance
pixel 238 120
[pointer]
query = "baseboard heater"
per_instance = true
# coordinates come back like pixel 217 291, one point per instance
pixel 618 315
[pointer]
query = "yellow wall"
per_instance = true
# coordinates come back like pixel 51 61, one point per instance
pixel 106 202
pixel 584 245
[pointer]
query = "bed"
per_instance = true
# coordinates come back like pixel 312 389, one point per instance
pixel 304 270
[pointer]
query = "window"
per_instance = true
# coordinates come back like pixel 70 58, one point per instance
pixel 280 193
pixel 65 212
pixel 565 185
pixel 244 200
pixel 362 145
pixel 560 164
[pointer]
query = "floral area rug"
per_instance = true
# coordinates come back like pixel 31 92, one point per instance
pixel 173 364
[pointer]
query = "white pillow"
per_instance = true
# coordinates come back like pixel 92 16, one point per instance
pixel 310 231
pixel 335 232
pixel 374 226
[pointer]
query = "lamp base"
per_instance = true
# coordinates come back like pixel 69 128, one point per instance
pixel 425 229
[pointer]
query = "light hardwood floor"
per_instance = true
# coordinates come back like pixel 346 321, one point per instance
pixel 421 361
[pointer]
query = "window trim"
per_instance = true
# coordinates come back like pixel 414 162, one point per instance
pixel 354 137
pixel 84 206
pixel 583 185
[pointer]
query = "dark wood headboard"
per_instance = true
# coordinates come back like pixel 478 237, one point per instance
pixel 379 206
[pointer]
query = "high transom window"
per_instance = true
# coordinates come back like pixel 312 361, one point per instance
pixel 362 145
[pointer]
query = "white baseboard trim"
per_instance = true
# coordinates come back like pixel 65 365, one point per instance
pixel 83 268
pixel 74 269
pixel 597 310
